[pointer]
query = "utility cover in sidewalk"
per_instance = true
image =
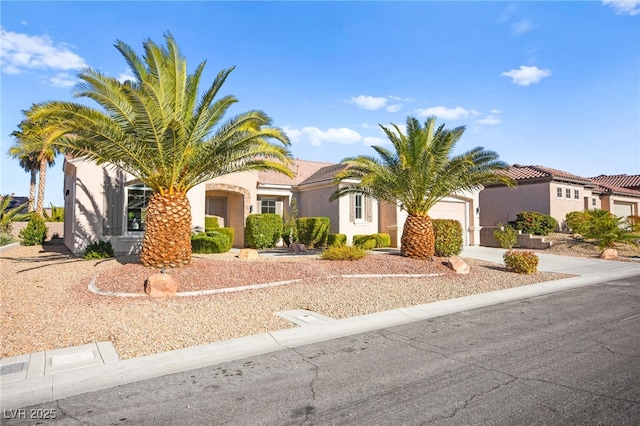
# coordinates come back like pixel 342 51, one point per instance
pixel 303 316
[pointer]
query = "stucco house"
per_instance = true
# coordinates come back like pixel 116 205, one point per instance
pixel 103 203
pixel 556 193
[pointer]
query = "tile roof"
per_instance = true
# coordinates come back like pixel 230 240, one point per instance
pixel 605 187
pixel 519 172
pixel 302 169
pixel 622 181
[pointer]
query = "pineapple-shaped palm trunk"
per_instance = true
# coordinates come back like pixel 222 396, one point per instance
pixel 418 238
pixel 167 238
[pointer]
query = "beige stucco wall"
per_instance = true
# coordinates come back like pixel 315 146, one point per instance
pixel 559 207
pixel 314 202
pixel 502 204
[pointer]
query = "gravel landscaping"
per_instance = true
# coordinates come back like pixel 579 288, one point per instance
pixel 46 303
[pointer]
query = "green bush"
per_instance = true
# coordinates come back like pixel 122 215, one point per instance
pixel 57 214
pixel 289 227
pixel 227 231
pixel 634 223
pixel 365 242
pixel 334 240
pixel 448 235
pixel 343 253
pixel 535 223
pixel 522 262
pixel 6 238
pixel 9 215
pixel 578 222
pixel 313 231
pixel 35 232
pixel 263 230
pixel 211 223
pixel 210 242
pixel 98 250
pixel 506 236
pixel 382 240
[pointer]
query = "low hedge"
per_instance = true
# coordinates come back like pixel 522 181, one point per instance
pixel 448 236
pixel 336 240
pixel 263 230
pixel 535 223
pixel 210 242
pixel 313 231
pixel 522 262
pixel 211 223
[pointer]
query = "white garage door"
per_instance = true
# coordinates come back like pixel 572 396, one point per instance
pixel 622 210
pixel 455 210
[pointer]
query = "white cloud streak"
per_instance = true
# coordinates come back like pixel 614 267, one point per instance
pixel 624 7
pixel 369 102
pixel 522 27
pixel 444 113
pixel 317 137
pixel 22 52
pixel 524 76
pixel 393 108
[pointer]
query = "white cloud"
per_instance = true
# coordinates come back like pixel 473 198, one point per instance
pixel 126 76
pixel 369 102
pixel 394 98
pixel 393 108
pixel 444 113
pixel 316 136
pixel 365 125
pixel 372 140
pixel 489 120
pixel 21 52
pixel 496 111
pixel 475 112
pixel 62 79
pixel 522 27
pixel 624 7
pixel 526 75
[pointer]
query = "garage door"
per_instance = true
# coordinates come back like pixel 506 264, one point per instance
pixel 455 210
pixel 622 210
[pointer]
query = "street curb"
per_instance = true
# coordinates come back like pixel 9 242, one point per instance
pixel 64 384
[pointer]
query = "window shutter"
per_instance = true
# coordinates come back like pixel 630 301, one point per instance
pixel 114 204
pixel 279 207
pixel 352 208
pixel 368 209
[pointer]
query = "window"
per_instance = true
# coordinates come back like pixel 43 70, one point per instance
pixel 593 202
pixel 358 207
pixel 559 192
pixel 576 194
pixel 568 192
pixel 138 197
pixel 267 206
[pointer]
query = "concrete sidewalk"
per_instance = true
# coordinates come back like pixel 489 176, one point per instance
pixel 51 375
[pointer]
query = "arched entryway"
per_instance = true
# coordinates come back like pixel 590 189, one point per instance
pixel 230 203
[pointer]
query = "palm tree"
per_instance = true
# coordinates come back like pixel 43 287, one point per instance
pixel 418 173
pixel 163 132
pixel 36 151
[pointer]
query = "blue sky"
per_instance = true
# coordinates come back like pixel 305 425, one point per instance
pixel 549 83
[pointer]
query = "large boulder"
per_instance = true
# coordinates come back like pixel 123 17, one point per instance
pixel 609 254
pixel 459 265
pixel 160 285
pixel 297 248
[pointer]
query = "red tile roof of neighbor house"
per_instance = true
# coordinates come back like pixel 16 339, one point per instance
pixel 519 172
pixel 302 169
pixel 607 188
pixel 622 181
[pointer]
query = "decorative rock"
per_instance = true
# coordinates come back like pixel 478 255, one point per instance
pixel 248 254
pixel 609 254
pixel 297 248
pixel 160 285
pixel 459 265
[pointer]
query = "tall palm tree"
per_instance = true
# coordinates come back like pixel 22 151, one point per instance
pixel 418 173
pixel 162 131
pixel 36 151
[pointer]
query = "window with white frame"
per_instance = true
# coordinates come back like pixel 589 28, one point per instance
pixel 559 192
pixel 576 194
pixel 568 192
pixel 358 207
pixel 137 201
pixel 267 205
pixel 593 202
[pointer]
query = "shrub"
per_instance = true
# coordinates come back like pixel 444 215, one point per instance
pixel 634 223
pixel 578 222
pixel 506 236
pixel 57 214
pixel 290 228
pixel 365 242
pixel 263 230
pixel 229 232
pixel 448 234
pixel 343 253
pixel 210 242
pixel 211 223
pixel 382 240
pixel 535 223
pixel 98 250
pixel 334 240
pixel 35 232
pixel 6 238
pixel 8 214
pixel 313 231
pixel 522 262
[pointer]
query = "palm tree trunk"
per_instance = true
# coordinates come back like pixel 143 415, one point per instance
pixel 32 190
pixel 418 239
pixel 41 185
pixel 167 237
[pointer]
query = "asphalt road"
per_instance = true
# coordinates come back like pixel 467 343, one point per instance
pixel 570 358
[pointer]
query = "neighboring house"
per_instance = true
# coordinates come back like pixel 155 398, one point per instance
pixel 16 202
pixel 553 192
pixel 103 203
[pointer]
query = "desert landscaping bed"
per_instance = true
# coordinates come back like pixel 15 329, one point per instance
pixel 46 303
